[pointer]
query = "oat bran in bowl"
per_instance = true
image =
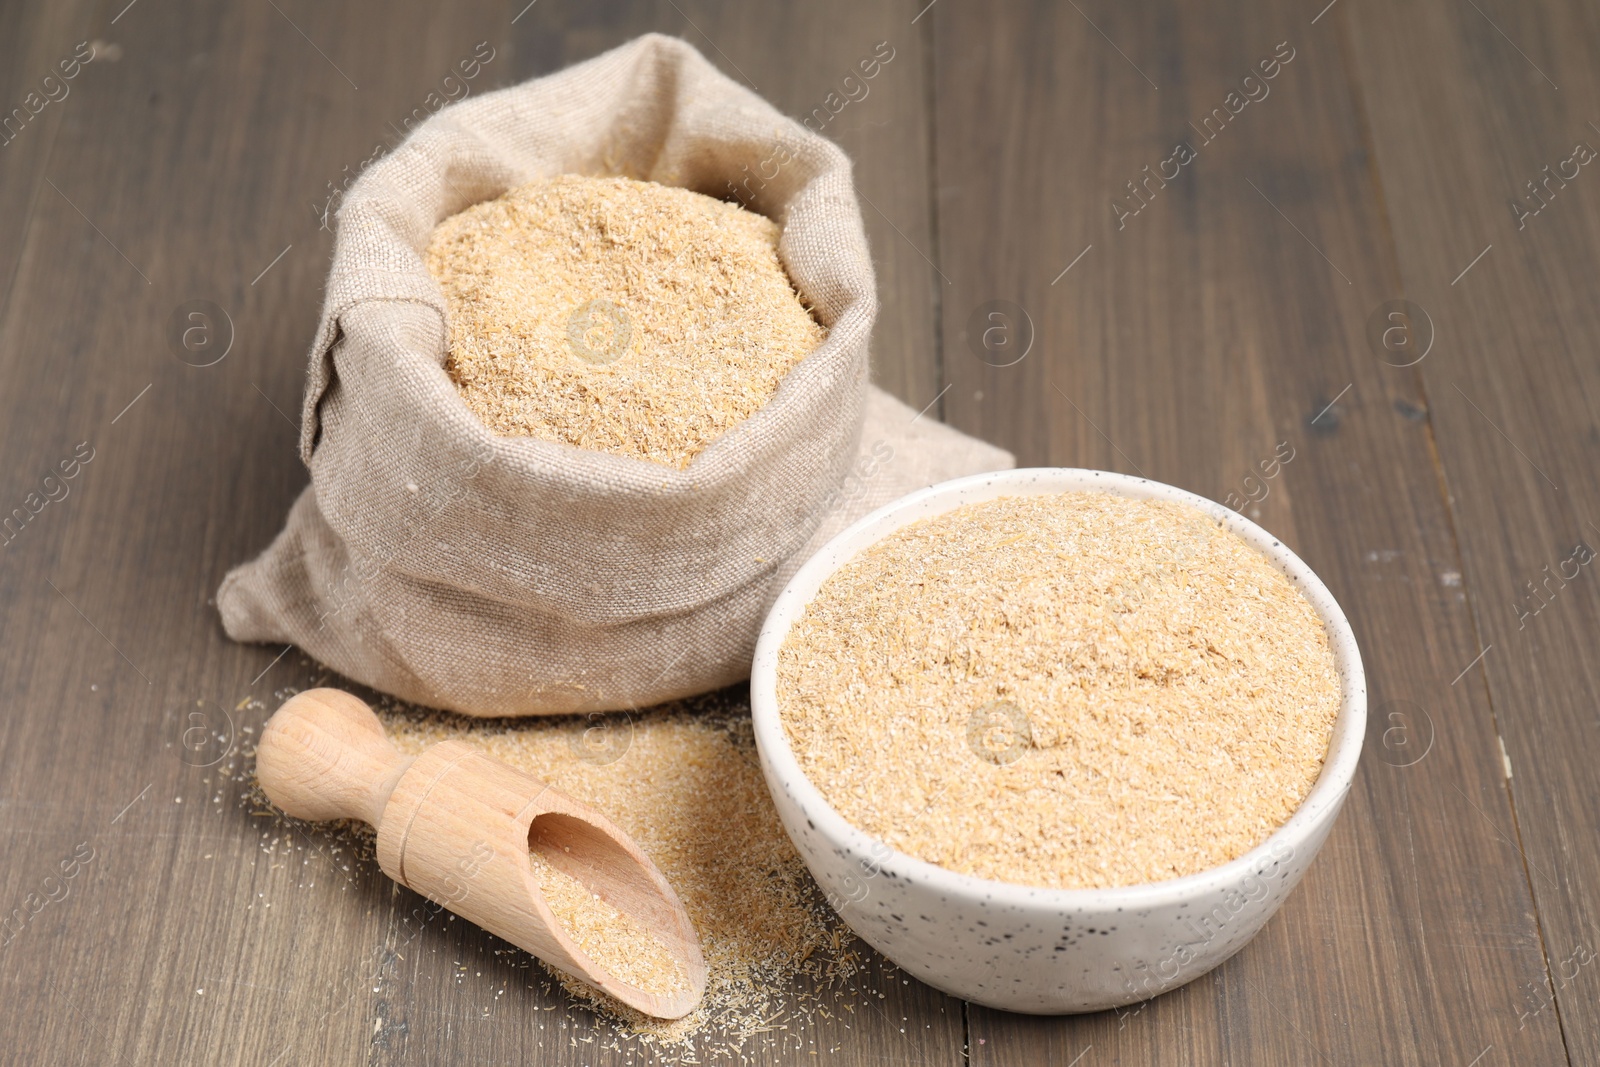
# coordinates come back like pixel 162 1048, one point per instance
pixel 1063 821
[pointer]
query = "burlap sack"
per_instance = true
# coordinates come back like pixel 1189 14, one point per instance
pixel 513 576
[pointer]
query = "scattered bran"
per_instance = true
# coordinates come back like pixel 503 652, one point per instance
pixel 617 315
pixel 686 785
pixel 1073 690
pixel 610 938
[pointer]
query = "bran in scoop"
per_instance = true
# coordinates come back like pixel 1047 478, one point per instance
pixel 1073 690
pixel 607 936
pixel 685 783
pixel 617 315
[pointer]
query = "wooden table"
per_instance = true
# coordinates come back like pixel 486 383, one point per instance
pixel 1337 267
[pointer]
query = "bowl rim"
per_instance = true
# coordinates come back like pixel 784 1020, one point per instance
pixel 1321 804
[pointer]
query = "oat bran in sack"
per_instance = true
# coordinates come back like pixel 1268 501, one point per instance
pixel 435 561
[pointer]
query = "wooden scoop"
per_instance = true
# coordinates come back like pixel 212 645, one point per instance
pixel 457 826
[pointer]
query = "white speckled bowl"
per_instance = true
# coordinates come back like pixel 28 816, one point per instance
pixel 1047 951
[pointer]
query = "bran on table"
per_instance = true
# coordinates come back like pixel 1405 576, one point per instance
pixel 684 782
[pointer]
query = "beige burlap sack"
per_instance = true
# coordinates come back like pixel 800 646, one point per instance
pixel 514 576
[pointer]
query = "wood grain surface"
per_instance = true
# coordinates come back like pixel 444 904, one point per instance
pixel 1196 337
pixel 1187 328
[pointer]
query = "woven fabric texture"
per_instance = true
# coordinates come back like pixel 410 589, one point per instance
pixel 493 575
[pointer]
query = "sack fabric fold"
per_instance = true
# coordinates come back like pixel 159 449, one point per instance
pixel 435 561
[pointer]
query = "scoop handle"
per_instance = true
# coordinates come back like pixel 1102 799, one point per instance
pixel 324 755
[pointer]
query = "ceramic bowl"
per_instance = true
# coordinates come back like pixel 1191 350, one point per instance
pixel 1026 949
